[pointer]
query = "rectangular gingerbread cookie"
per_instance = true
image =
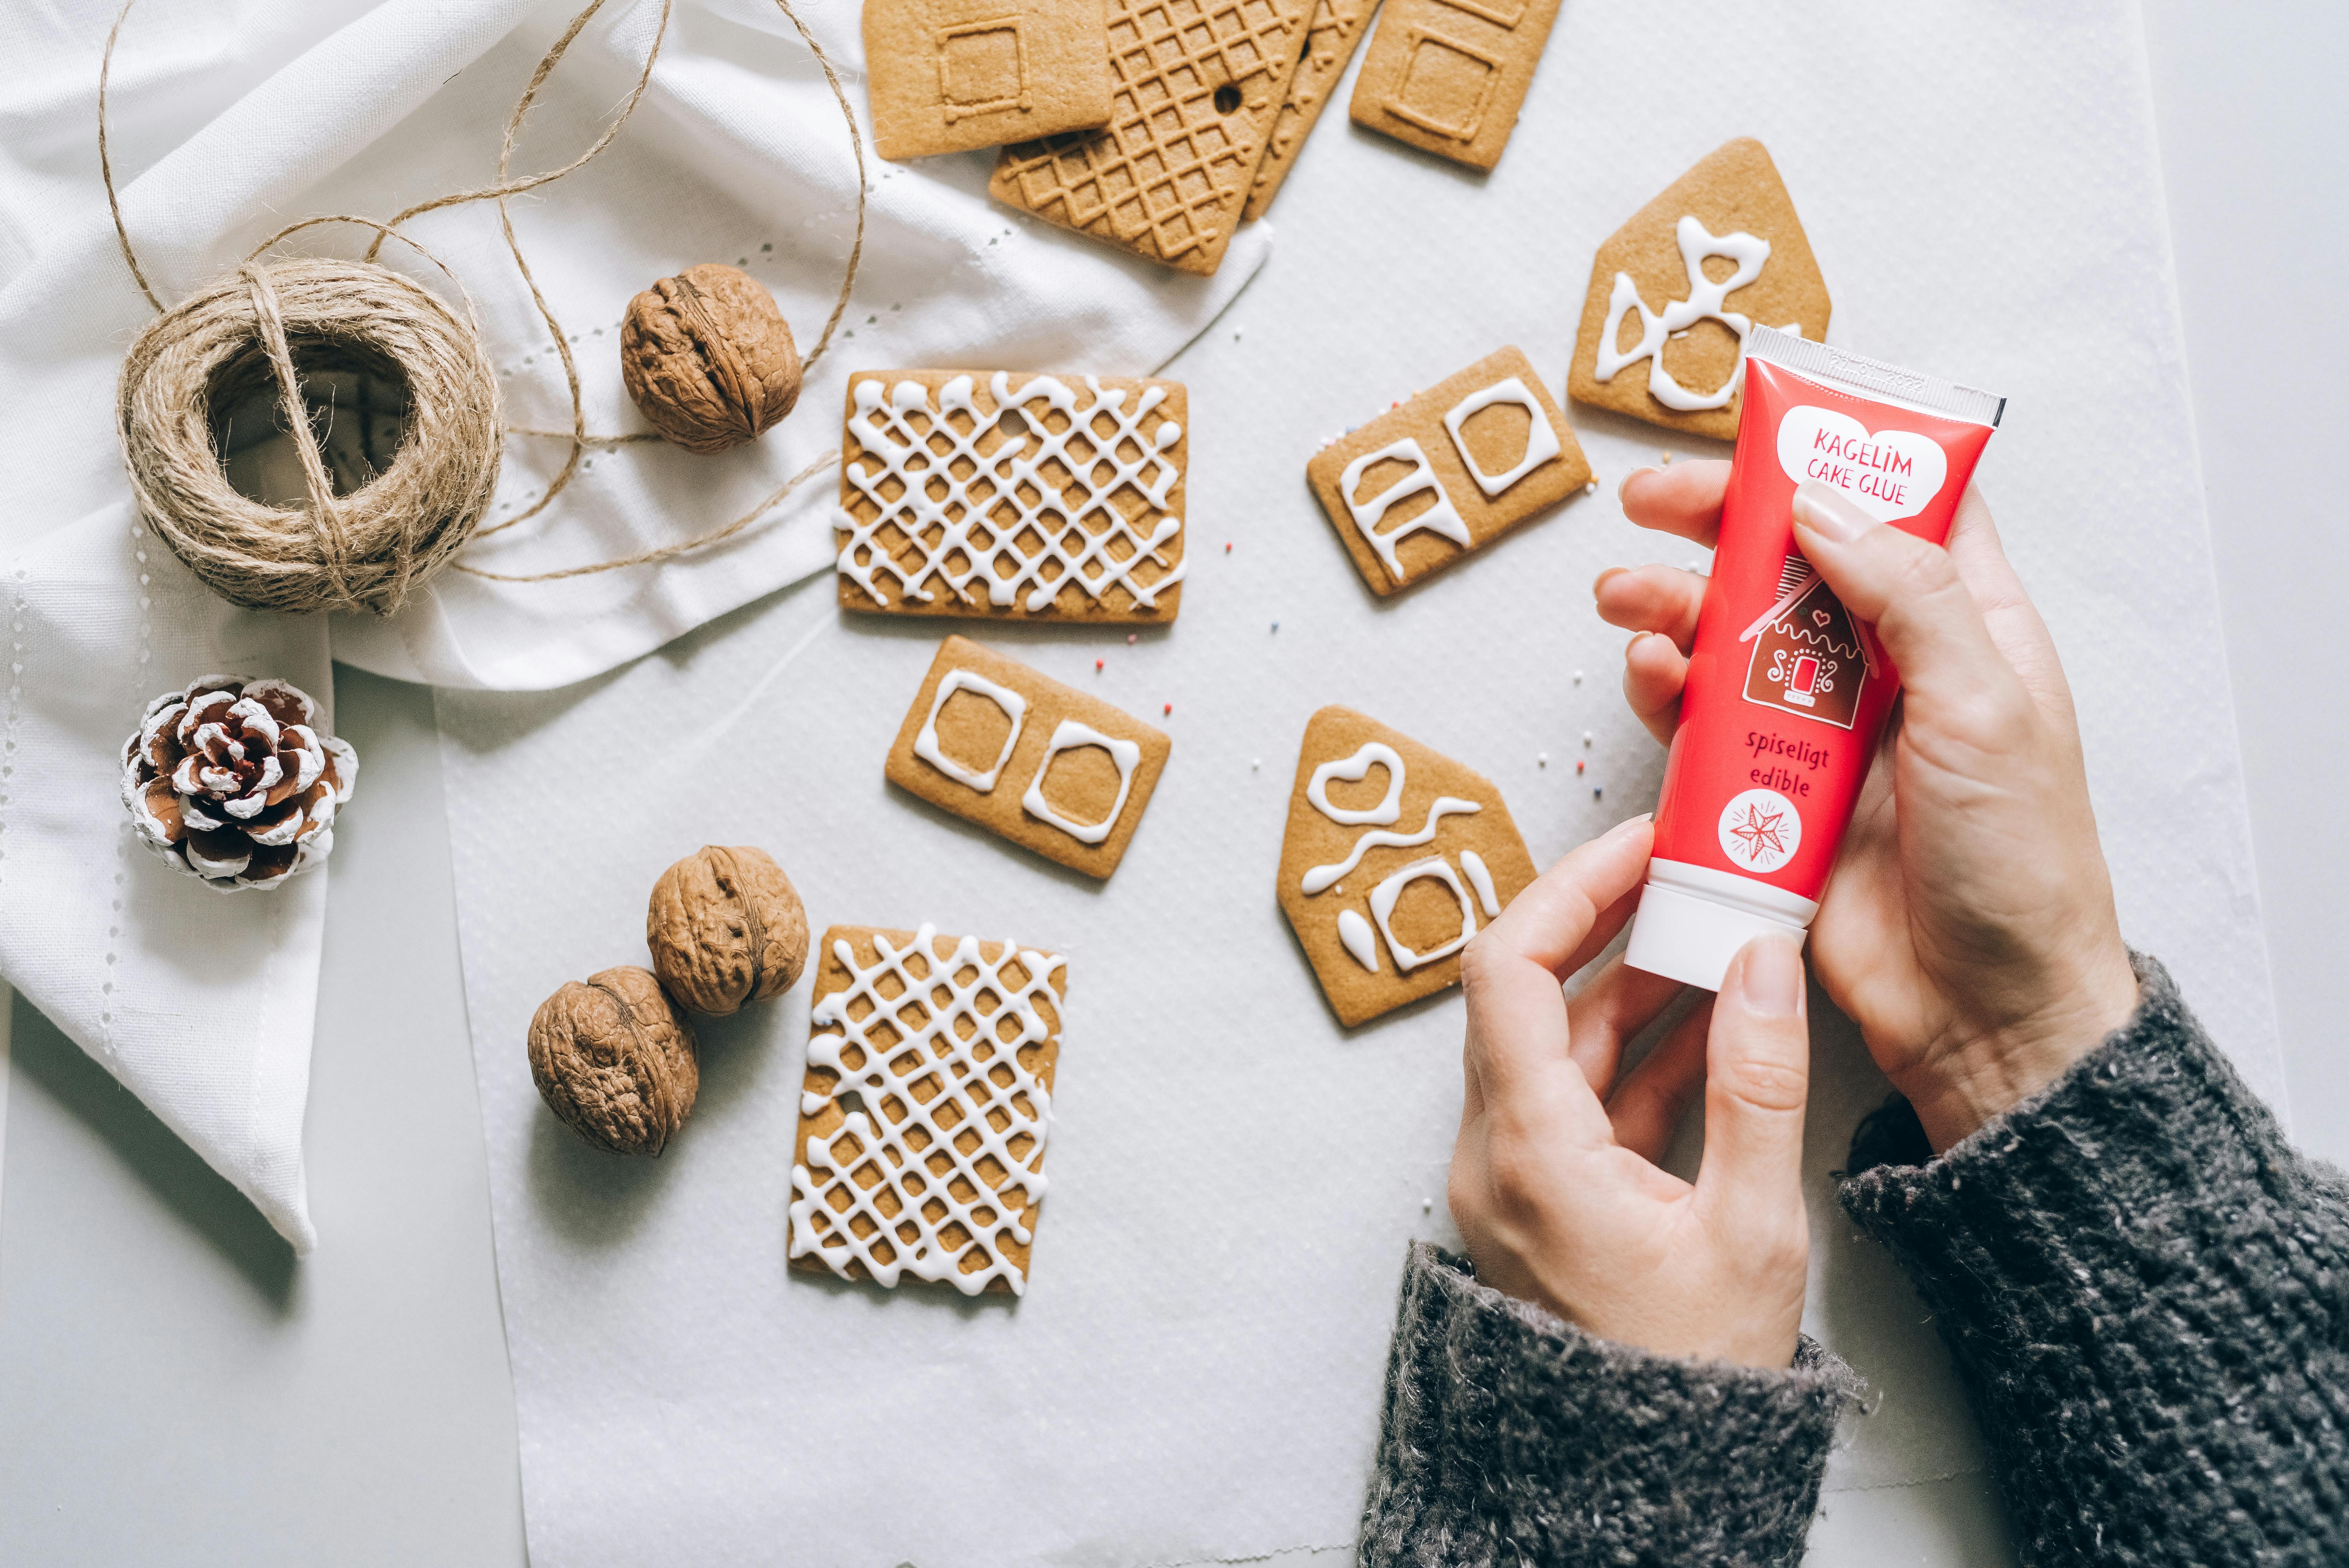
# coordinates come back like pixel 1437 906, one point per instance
pixel 1196 86
pixel 1041 764
pixel 1449 76
pixel 1448 472
pixel 945 75
pixel 1338 26
pixel 926 1108
pixel 1396 855
pixel 1013 496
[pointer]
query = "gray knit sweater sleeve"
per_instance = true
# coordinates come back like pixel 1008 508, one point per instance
pixel 1512 1437
pixel 2146 1294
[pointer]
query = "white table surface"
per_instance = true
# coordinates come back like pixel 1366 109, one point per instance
pixel 173 1387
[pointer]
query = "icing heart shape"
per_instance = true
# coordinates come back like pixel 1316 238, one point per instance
pixel 1353 771
pixel 1888 474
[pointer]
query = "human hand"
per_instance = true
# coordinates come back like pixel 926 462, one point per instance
pixel 1969 927
pixel 1554 1182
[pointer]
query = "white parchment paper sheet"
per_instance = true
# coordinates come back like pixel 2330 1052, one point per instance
pixel 1195 1372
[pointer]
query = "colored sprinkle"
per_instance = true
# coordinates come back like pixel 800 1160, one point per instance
pixel 1585 738
pixel 1594 792
pixel 1169 708
pixel 1227 547
pixel 1129 639
pixel 1541 758
pixel 1255 763
pixel 1591 488
pixel 1097 666
pixel 1276 625
pixel 1578 766
pixel 1667 460
pixel 1427 1205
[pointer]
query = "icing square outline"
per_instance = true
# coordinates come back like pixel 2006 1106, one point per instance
pixel 1541 440
pixel 926 746
pixel 1071 735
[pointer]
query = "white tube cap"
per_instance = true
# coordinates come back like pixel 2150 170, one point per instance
pixel 1690 938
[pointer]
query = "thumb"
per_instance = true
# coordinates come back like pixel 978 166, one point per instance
pixel 1757 1078
pixel 1910 591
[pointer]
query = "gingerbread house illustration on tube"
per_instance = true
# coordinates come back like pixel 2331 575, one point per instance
pixel 1810 657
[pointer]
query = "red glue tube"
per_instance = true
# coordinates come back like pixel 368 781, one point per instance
pixel 1787 693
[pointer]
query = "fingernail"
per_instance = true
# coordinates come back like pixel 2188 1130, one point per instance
pixel 1627 823
pixel 1823 509
pixel 1625 482
pixel 1772 984
pixel 1599 584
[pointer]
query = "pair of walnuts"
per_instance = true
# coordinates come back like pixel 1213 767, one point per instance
pixel 613 1055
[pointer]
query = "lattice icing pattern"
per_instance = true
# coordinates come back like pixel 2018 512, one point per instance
pixel 1034 501
pixel 925 1154
pixel 1196 88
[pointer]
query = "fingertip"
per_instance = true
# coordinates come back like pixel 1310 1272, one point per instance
pixel 1765 979
pixel 1623 487
pixel 1598 583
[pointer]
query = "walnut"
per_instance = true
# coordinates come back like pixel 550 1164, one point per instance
pixel 725 927
pixel 709 358
pixel 229 781
pixel 615 1060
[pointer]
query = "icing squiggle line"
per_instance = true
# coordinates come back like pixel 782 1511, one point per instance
pixel 910 1174
pixel 1704 302
pixel 963 522
pixel 1321 877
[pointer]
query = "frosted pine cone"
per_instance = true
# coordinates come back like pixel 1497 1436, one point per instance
pixel 229 781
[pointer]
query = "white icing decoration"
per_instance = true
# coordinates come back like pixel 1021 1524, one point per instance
pixel 1355 933
pixel 1353 771
pixel 1482 881
pixel 1383 903
pixel 964 521
pixel 1705 298
pixel 967 1080
pixel 1127 754
pixel 926 745
pixel 1438 519
pixel 1541 440
pixel 1321 877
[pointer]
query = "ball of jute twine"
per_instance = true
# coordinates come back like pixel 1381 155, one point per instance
pixel 370 549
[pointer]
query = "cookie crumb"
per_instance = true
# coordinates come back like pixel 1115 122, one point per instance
pixel 1665 461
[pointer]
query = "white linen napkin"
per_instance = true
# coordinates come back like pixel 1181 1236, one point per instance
pixel 229 121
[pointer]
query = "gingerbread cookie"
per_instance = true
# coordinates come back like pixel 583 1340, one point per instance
pixel 1395 856
pixel 1337 25
pixel 1012 497
pixel 1449 76
pixel 924 1114
pixel 946 75
pixel 1196 87
pixel 1674 292
pixel 1448 472
pixel 1041 764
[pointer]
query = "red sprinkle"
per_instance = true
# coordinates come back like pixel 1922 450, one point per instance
pixel 1169 708
pixel 1578 768
pixel 1228 548
pixel 1097 665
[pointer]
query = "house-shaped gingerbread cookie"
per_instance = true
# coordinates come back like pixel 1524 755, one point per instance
pixel 1396 855
pixel 1674 292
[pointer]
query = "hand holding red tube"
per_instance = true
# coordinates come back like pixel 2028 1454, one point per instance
pixel 1969 926
pixel 1554 1183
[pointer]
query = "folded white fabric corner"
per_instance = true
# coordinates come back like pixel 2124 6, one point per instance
pixel 229 121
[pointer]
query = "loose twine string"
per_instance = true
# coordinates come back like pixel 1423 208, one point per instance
pixel 370 549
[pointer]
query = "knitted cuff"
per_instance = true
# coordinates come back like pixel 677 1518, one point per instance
pixel 1511 1436
pixel 2146 1291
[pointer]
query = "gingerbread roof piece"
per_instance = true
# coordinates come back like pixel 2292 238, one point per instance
pixel 1674 292
pixel 1196 88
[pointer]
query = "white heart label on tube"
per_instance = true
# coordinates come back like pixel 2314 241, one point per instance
pixel 1891 474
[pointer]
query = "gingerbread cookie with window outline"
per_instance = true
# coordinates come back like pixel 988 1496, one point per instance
pixel 925 1109
pixel 1007 495
pixel 1674 292
pixel 1043 765
pixel 1449 76
pixel 1197 86
pixel 946 76
pixel 1459 465
pixel 1395 857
